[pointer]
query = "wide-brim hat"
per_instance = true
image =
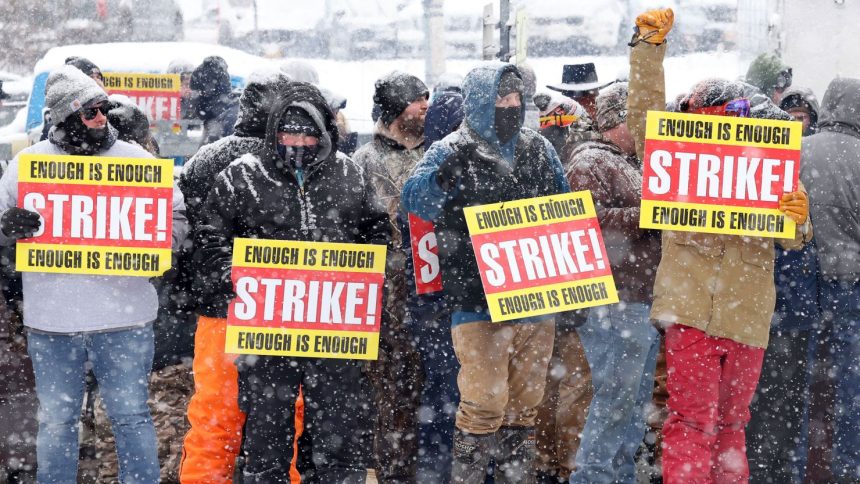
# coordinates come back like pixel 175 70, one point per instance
pixel 578 78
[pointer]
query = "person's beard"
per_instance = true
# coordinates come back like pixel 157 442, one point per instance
pixel 412 127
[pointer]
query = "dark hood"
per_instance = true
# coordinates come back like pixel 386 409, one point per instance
pixel 309 98
pixel 840 108
pixel 256 102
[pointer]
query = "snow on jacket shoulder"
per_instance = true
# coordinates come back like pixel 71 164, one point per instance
pixel 198 175
pixel 67 303
pixel 830 169
pixel 615 182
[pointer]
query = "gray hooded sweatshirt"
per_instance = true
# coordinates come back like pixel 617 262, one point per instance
pixel 830 170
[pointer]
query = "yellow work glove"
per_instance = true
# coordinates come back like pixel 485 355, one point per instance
pixel 653 25
pixel 796 206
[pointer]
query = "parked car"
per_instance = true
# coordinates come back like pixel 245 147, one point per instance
pixel 708 24
pixel 177 139
pixel 573 28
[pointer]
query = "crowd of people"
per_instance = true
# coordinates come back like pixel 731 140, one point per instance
pixel 701 373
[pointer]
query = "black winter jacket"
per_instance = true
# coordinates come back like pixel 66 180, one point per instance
pixel 255 197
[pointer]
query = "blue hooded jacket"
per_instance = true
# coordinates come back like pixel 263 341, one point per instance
pixel 422 194
pixel 444 115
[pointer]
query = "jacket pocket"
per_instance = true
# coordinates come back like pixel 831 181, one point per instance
pixel 707 245
pixel 758 253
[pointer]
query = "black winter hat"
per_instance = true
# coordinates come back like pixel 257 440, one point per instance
pixel 297 121
pixel 86 66
pixel 255 103
pixel 395 92
pixel 211 77
pixel 509 83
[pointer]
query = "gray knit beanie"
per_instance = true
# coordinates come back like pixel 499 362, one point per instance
pixel 68 90
pixel 611 107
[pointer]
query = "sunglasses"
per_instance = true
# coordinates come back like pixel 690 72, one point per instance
pixel 739 108
pixel 91 113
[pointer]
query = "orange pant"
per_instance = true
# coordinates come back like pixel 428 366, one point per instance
pixel 213 443
pixel 215 439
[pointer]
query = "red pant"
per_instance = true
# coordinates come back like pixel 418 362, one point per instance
pixel 711 382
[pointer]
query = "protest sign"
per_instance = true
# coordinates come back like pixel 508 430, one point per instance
pixel 425 255
pixel 540 256
pixel 157 95
pixel 719 174
pixel 308 299
pixel 99 215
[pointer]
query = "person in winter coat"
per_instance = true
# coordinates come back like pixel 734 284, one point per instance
pixel 213 99
pixel 397 145
pixel 445 112
pixel 769 75
pixel 87 67
pixel 713 294
pixel 184 69
pixel 131 123
pixel 213 441
pixel 776 439
pixel 830 168
pixel 491 158
pixel 529 90
pixel 427 317
pixel 802 105
pixel 556 115
pixel 300 189
pixel 112 331
pixel 620 343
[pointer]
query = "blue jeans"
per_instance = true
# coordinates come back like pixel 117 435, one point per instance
pixel 431 327
pixel 840 303
pixel 621 348
pixel 121 361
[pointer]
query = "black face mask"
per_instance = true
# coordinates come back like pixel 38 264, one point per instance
pixel 298 157
pixel 507 123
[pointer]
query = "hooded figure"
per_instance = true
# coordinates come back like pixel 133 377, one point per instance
pixel 489 159
pixel 830 170
pixel 298 188
pixel 444 115
pixel 802 105
pixel 77 321
pixel 769 75
pixel 131 123
pixel 213 100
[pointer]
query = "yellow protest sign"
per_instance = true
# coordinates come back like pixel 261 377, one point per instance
pixel 99 215
pixel 306 299
pixel 540 256
pixel 157 95
pixel 719 174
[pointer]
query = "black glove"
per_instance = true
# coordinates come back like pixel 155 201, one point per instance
pixel 19 223
pixel 453 167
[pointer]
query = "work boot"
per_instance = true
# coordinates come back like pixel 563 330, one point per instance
pixel 472 453
pixel 516 458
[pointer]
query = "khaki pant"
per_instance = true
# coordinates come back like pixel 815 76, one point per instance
pixel 561 414
pixel 502 373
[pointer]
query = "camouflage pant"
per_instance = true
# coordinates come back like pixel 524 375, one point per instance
pixel 170 388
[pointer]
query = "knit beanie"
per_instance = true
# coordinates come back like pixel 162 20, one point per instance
pixel 711 92
pixel 611 107
pixel 763 72
pixel 85 65
pixel 395 92
pixel 68 90
pixel 211 77
pixel 297 121
pixel 509 83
